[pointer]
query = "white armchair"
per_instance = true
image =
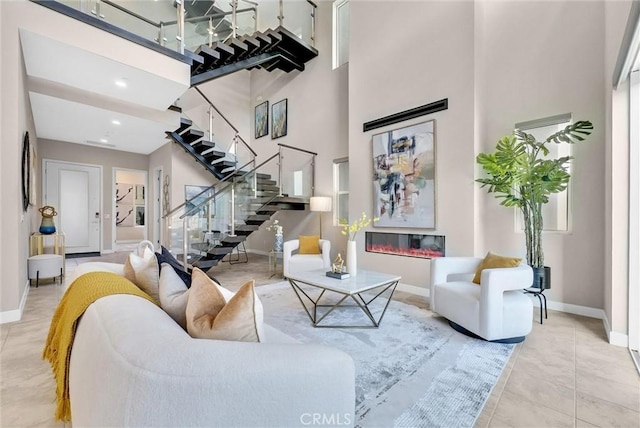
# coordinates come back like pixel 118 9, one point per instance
pixel 294 262
pixel 495 310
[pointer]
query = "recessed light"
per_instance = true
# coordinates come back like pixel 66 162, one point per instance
pixel 115 122
pixel 215 34
pixel 121 83
pixel 104 140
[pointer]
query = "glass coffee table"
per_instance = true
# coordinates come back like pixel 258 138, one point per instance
pixel 363 289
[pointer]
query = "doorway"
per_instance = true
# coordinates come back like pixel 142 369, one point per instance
pixel 129 224
pixel 75 190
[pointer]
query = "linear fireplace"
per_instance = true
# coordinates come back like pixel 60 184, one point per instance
pixel 405 244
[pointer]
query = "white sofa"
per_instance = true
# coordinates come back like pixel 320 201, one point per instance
pixel 495 310
pixel 132 365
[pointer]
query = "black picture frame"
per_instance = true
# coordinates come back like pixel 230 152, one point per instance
pixel 279 119
pixel 261 119
pixel 26 172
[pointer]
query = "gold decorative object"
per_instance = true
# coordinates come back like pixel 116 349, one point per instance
pixel 338 264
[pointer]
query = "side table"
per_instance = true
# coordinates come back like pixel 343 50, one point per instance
pixel 538 292
pixel 274 256
pixel 47 244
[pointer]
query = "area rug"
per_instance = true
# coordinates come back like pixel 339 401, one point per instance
pixel 412 371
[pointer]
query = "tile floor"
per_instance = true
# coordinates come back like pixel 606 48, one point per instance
pixel 563 374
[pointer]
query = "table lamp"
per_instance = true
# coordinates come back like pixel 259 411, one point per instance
pixel 321 204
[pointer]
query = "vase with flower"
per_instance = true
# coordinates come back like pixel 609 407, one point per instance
pixel 279 239
pixel 351 231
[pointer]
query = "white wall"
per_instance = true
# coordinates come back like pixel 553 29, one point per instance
pixel 616 283
pixel 16 120
pixel 317 121
pixel 430 56
pixel 543 59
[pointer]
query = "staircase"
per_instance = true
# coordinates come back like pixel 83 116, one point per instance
pixel 270 50
pixel 263 202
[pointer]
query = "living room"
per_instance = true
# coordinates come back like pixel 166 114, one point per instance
pixel 497 63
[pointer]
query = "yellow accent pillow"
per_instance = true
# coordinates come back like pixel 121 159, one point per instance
pixel 309 244
pixel 209 316
pixel 492 261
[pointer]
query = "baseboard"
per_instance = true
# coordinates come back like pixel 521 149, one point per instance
pixel 568 308
pixel 420 291
pixel 16 314
pixel 106 252
pixel 614 338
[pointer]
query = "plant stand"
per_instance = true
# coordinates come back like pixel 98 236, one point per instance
pixel 539 293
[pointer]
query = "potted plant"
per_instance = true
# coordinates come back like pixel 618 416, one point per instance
pixel 521 176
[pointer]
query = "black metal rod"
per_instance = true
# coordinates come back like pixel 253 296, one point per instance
pixel 128 12
pixel 296 148
pixel 406 115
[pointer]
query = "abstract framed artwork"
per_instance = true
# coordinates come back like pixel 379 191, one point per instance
pixel 279 119
pixel 404 171
pixel 262 119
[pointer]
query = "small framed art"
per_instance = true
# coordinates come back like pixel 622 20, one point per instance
pixel 262 119
pixel 279 119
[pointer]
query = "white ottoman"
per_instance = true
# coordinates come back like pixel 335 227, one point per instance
pixel 45 266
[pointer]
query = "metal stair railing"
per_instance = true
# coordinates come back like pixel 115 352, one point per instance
pixel 227 206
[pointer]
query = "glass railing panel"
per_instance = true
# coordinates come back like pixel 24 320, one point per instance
pixel 245 192
pixel 222 218
pixel 297 19
pixel 194 234
pixel 208 29
pixel 140 18
pixel 297 173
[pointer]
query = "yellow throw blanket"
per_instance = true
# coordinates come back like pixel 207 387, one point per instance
pixel 85 290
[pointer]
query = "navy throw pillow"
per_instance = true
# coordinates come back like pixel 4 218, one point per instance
pixel 167 257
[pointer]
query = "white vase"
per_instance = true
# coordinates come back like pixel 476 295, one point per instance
pixel 352 258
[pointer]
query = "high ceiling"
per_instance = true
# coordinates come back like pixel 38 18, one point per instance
pixel 82 97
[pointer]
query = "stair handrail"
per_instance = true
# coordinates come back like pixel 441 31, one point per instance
pixel 224 180
pixel 222 190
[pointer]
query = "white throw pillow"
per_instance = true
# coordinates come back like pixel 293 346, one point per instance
pixel 143 271
pixel 174 295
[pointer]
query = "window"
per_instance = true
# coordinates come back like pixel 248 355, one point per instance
pixel 556 213
pixel 340 32
pixel 340 191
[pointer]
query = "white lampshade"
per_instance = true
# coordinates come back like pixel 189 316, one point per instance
pixel 320 203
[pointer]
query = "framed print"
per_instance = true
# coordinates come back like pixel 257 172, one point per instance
pixel 279 119
pixel 404 177
pixel 139 216
pixel 262 119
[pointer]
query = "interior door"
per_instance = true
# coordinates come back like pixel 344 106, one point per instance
pixel 75 191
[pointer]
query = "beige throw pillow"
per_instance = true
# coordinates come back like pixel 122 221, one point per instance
pixel 143 272
pixel 210 316
pixel 492 261
pixel 174 295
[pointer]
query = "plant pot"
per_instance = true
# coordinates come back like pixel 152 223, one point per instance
pixel 541 278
